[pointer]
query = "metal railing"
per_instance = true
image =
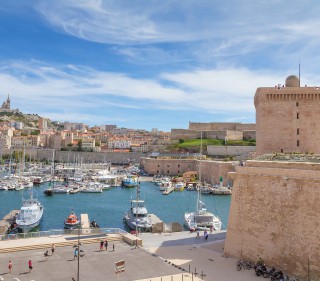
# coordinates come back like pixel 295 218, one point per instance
pixel 63 232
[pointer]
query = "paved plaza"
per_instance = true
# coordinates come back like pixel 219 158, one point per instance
pixel 163 257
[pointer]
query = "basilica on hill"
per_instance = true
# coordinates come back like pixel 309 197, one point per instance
pixel 6 106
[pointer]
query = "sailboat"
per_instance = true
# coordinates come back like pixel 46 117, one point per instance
pixel 49 191
pixel 201 219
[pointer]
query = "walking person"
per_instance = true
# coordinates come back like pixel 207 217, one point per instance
pixel 30 265
pixel 46 254
pixel 75 253
pixel 211 229
pixel 198 234
pixel 113 248
pixel 52 249
pixel 101 245
pixel 205 234
pixel 10 266
pixel 106 245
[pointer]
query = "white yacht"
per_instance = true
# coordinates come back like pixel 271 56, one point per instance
pixel 137 217
pixel 164 184
pixel 30 214
pixel 201 219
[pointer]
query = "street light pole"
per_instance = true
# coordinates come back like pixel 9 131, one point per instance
pixel 78 276
pixel 78 246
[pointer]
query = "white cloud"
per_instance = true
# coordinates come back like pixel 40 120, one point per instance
pixel 54 90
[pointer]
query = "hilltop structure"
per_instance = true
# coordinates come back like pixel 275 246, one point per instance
pixel 216 130
pixel 6 106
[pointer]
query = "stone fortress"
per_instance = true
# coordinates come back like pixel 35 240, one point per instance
pixel 275 206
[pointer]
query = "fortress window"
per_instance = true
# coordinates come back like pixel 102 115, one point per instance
pixel 281 150
pixel 168 172
pixel 178 172
pixel 298 143
pixel 298 115
pixel 297 103
pixel 298 131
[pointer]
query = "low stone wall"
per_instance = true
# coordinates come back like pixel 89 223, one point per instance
pixel 227 150
pixel 132 239
pixel 86 157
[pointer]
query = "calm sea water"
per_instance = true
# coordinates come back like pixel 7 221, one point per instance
pixel 108 207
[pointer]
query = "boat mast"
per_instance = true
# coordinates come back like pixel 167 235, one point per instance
pixel 137 202
pixel 199 170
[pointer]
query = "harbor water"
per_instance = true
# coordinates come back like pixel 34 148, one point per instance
pixel 108 208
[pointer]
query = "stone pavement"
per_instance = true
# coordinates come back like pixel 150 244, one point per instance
pixel 163 257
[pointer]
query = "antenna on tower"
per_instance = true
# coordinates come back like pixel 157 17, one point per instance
pixel 299 72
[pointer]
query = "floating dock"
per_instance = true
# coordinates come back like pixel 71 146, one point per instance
pixel 221 191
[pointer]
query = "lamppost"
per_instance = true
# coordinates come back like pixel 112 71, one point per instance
pixel 78 247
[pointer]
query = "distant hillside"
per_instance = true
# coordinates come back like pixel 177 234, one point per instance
pixel 29 120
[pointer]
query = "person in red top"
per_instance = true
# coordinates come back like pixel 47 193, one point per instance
pixel 30 265
pixel 10 266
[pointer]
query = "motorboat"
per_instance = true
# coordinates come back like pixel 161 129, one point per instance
pixel 30 213
pixel 130 181
pixel 179 186
pixel 72 221
pixel 137 218
pixel 165 184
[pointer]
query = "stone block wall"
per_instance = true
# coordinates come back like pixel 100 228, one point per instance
pixel 216 150
pixel 210 170
pixel 274 215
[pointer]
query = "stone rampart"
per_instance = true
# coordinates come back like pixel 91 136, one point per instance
pixel 215 150
pixel 274 215
pixel 86 157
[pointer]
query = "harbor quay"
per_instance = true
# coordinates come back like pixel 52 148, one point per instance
pixel 166 256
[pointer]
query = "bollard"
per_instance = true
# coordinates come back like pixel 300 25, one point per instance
pixel 201 275
pixel 195 271
pixel 192 276
pixel 189 268
pixel 182 277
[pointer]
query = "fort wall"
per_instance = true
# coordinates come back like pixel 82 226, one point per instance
pixel 216 150
pixel 274 215
pixel 287 119
pixel 210 170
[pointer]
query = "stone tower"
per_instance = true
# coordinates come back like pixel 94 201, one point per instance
pixel 287 118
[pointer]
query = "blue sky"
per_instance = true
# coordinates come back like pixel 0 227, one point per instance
pixel 152 64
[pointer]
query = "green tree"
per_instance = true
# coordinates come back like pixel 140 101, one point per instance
pixel 80 145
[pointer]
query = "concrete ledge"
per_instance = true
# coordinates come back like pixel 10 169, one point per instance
pixel 131 239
